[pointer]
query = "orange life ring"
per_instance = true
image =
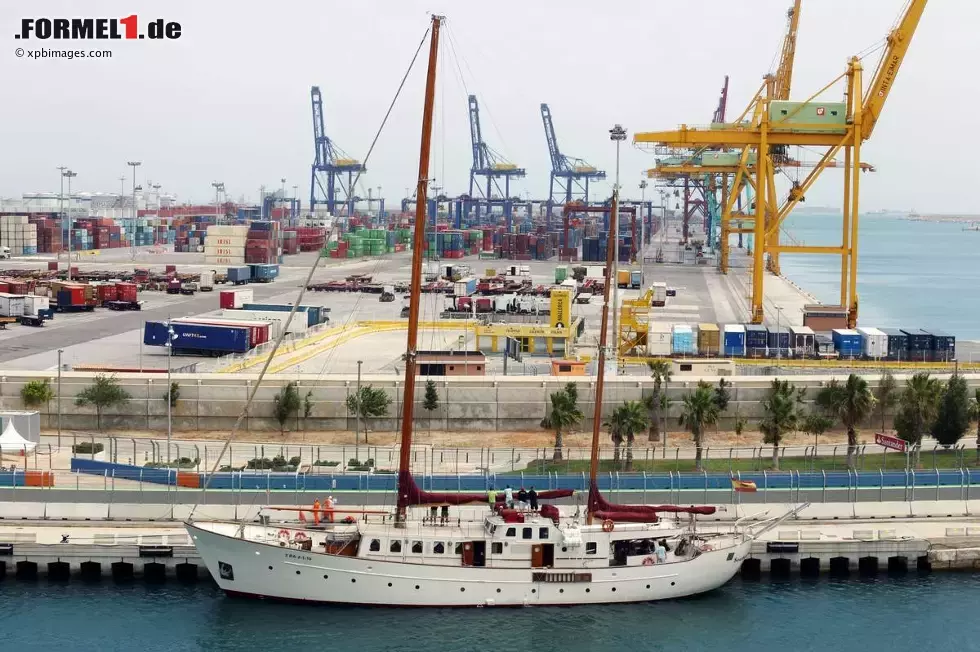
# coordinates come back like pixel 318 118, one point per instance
pixel 283 533
pixel 648 561
pixel 608 525
pixel 301 536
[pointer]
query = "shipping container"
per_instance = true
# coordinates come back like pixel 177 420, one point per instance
pixel 847 342
pixel 234 298
pixel 709 339
pixel 264 273
pixel 199 338
pixel 659 338
pixel 465 287
pixel 824 345
pixel 682 341
pixel 35 305
pixel 898 344
pixel 623 278
pixel 943 346
pixel 659 294
pixel 756 336
pixel 206 283
pixel 920 343
pixel 313 314
pixel 733 340
pixel 126 292
pixel 298 324
pixel 802 341
pixel 11 305
pixel 260 332
pixel 874 343
pixel 239 275
pixel 636 279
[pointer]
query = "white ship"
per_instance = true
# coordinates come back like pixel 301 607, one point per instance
pixel 432 552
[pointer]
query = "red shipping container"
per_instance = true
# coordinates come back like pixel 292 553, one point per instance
pixel 106 293
pixel 53 266
pixel 126 292
pixel 17 287
pixel 170 269
pixel 4 287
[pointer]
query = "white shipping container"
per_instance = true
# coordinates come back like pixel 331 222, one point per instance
pixel 658 338
pixel 874 342
pixel 224 241
pixel 232 261
pixel 239 231
pixel 11 305
pixel 242 296
pixel 207 279
pixel 299 323
pixel 211 250
pixel 33 304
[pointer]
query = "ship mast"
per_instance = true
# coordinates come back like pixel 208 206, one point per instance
pixel 611 247
pixel 421 206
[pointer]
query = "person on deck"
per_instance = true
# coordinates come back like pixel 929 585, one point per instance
pixel 509 497
pixel 492 499
pixel 316 511
pixel 328 505
pixel 660 552
pixel 522 498
pixel 532 497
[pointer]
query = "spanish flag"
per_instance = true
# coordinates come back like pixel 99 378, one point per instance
pixel 743 485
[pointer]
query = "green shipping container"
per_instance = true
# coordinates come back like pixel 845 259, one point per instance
pixel 561 273
pixel 825 117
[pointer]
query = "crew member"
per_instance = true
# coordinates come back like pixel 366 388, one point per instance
pixel 328 505
pixel 492 499
pixel 509 497
pixel 316 511
pixel 532 497
pixel 522 498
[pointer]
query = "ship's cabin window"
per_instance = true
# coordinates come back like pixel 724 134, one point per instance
pixel 497 548
pixel 438 548
pixel 511 532
pixel 590 547
pixel 542 533
pixel 375 545
pixel 458 549
pixel 417 547
pixel 396 546
pixel 528 533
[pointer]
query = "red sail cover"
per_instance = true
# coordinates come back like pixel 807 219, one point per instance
pixel 599 506
pixel 409 494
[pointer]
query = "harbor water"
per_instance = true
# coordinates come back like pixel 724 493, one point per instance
pixel 911 274
pixel 912 613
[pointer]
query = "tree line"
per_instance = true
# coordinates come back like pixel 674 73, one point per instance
pixel 926 406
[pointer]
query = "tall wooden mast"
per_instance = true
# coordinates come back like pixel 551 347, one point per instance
pixel 611 248
pixel 421 206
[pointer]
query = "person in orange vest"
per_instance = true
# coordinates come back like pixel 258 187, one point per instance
pixel 316 511
pixel 328 509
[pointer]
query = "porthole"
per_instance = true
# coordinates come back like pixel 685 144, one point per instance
pixel 389 585
pixel 297 572
pixel 561 590
pixel 325 576
pixel 498 590
pixel 416 587
pixel 564 549
pixel 353 580
pixel 534 590
pixel 270 567
pixel 462 588
pixel 587 590
pixel 648 586
pixel 614 589
pixel 673 583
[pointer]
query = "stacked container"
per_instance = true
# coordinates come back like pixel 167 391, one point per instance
pixel 733 340
pixel 779 342
pixel 847 342
pixel 756 340
pixel 225 245
pixel 874 343
pixel 659 336
pixel 17 233
pixel 943 346
pixel 709 339
pixel 920 344
pixel 683 340
pixel 262 243
pixel 802 341
pixel 898 344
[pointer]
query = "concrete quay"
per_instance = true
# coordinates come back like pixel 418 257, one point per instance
pixel 839 539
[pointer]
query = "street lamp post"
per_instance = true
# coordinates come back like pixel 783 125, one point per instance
pixel 60 351
pixel 61 205
pixel 293 213
pixel 170 339
pixel 357 415
pixel 282 200
pixel 68 174
pixel 617 134
pixel 132 236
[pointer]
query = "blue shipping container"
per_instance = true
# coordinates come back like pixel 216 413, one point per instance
pixel 779 339
pixel 198 337
pixel 312 312
pixel 847 342
pixel 756 336
pixel 239 274
pixel 734 342
pixel 264 272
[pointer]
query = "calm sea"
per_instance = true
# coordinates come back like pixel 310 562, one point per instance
pixel 910 274
pixel 913 614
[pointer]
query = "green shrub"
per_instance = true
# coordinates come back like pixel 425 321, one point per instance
pixel 86 448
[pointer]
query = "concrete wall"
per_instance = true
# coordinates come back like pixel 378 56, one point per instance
pixel 215 401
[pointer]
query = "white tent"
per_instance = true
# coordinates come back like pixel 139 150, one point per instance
pixel 11 441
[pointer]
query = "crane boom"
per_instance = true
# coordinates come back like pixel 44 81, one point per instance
pixel 784 73
pixel 476 136
pixel 321 142
pixel 558 162
pixel 891 60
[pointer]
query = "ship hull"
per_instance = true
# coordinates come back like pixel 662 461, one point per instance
pixel 262 570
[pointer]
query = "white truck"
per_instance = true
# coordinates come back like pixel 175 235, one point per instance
pixel 207 281
pixel 4 253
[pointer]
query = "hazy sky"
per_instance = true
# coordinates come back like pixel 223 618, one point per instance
pixel 230 100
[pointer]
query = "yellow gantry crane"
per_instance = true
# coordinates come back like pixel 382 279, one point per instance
pixel 777 124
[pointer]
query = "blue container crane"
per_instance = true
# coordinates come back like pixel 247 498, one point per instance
pixel 491 165
pixel 332 161
pixel 571 175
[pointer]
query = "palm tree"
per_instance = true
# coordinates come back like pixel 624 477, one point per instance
pixel 781 415
pixel 656 403
pixel 700 411
pixel 886 396
pixel 850 403
pixel 626 421
pixel 563 415
pixel 920 401
pixel 975 415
